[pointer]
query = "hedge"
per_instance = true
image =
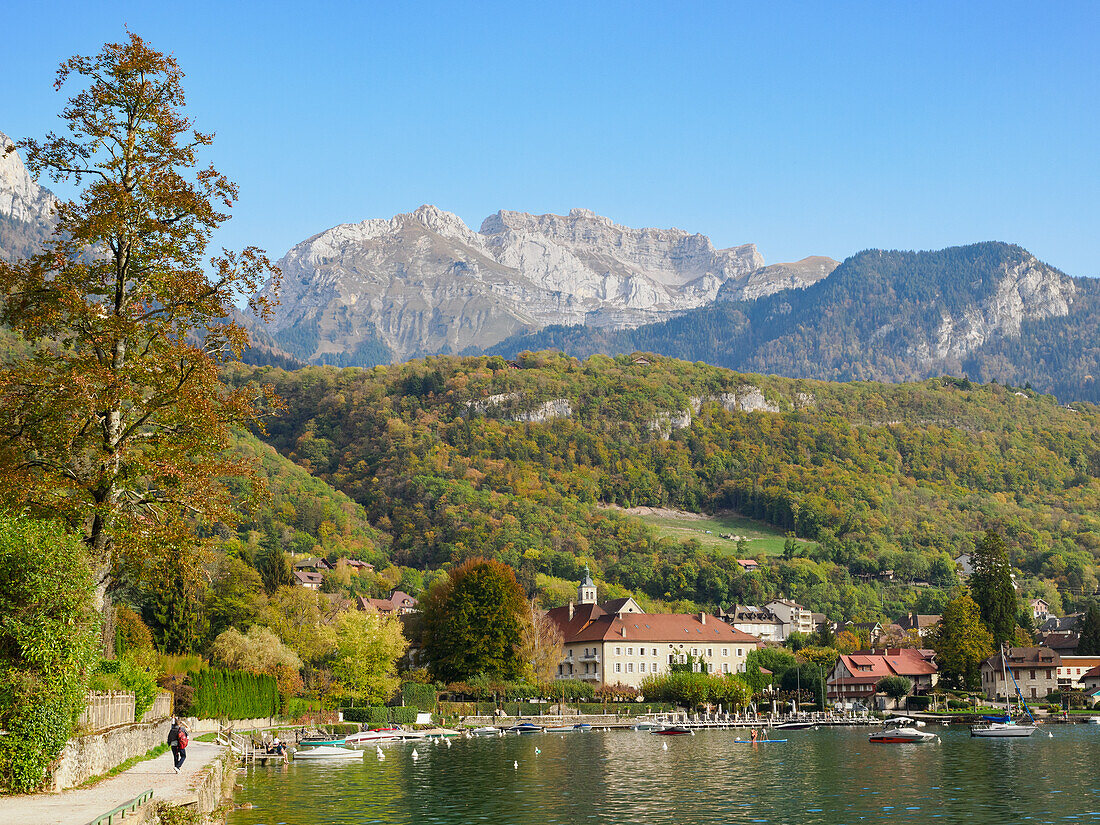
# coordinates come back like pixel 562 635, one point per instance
pixel 232 694
pixel 918 702
pixel 381 716
pixel 418 695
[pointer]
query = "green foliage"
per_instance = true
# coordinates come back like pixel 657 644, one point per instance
pixel 48 645
pixel 229 694
pixel 992 587
pixel 472 622
pixel 418 695
pixel 918 703
pixel 777 660
pixel 274 566
pixel 961 642
pixel 1089 645
pixel 377 716
pixel 894 686
pixel 368 646
pixel 140 679
pixel 693 690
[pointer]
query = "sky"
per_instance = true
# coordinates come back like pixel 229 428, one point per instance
pixel 805 128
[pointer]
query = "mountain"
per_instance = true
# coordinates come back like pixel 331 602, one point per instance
pixel 456 457
pixel 26 209
pixel 424 282
pixel 990 311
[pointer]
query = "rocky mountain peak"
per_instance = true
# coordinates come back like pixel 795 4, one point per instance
pixel 20 197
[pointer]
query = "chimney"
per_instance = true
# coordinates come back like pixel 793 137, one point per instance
pixel 570 611
pixel 702 617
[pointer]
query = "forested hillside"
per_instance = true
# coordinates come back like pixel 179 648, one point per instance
pixel 989 311
pixel 458 457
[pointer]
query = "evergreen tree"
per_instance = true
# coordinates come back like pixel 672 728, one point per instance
pixel 273 565
pixel 1090 631
pixel 992 588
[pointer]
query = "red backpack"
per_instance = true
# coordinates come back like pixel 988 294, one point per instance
pixel 183 738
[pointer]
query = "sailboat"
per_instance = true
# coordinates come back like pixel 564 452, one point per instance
pixel 1004 726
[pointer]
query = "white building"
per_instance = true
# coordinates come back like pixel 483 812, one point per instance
pixel 795 617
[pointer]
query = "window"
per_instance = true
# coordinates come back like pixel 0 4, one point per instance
pixel 740 651
pixel 654 651
pixel 710 651
pixel 618 651
pixel 618 667
pixel 561 669
pixel 629 667
pixel 1033 676
pixel 725 667
pixel 725 651
pixel 694 651
pixel 641 667
pixel 630 651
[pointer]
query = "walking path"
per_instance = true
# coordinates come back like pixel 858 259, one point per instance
pixel 81 806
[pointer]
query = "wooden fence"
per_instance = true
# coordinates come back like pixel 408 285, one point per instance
pixel 105 710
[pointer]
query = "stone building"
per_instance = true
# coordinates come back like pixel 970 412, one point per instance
pixel 1035 670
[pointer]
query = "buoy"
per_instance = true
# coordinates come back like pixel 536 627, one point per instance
pixel 1051 735
pixel 448 741
pixel 515 764
pixel 415 755
pixel 664 746
pixel 537 751
pixel 379 750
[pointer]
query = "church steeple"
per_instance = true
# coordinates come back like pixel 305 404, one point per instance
pixel 586 592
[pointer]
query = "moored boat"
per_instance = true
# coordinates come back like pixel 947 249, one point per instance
pixel 318 741
pixel 525 727
pixel 327 752
pixel 900 735
pixel 1002 727
pixel 671 730
pixel 375 735
pixel 582 726
pixel 486 730
pixel 644 725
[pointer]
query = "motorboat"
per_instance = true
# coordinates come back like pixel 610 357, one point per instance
pixel 582 726
pixel 525 727
pixel 1093 720
pixel 316 741
pixel 438 733
pixel 327 752
pixel 561 729
pixel 486 730
pixel 376 735
pixel 795 726
pixel 648 725
pixel 671 730
pixel 900 735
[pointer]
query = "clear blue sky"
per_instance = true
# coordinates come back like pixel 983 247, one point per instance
pixel 806 128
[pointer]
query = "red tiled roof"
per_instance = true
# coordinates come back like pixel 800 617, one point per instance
pixel 895 661
pixel 591 623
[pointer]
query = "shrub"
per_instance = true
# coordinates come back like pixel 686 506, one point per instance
pixel 919 702
pixel 233 694
pixel 417 695
pixel 133 677
pixel 378 716
pixel 48 645
pixel 957 704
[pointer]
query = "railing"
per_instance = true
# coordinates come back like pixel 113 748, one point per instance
pixel 123 809
pixel 161 707
pixel 105 710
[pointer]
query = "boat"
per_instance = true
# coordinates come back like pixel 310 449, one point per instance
pixel 327 752
pixel 759 741
pixel 899 734
pixel 1002 727
pixel 375 735
pixel 671 730
pixel 582 726
pixel 525 727
pixel 648 725
pixel 486 730
pixel 316 741
pixel 438 733
pixel 1093 720
pixel 561 729
pixel 794 726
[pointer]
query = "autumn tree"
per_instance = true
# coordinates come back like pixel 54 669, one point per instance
pixel 992 587
pixel 961 642
pixel 473 621
pixel 541 645
pixel 368 646
pixel 118 419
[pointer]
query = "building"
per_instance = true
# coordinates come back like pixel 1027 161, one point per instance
pixel 1073 669
pixel 315 565
pixel 399 603
pixel 1090 682
pixel 855 676
pixel 617 642
pixel 1035 670
pixel 872 630
pixel 748 565
pixel 1053 624
pixel 1064 642
pixel 756 621
pixel 1040 610
pixel 964 566
pixel 308 579
pixel 923 623
pixel 795 618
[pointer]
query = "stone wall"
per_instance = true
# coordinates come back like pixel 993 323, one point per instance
pixel 96 753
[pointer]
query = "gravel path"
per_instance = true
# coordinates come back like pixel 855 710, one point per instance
pixel 79 807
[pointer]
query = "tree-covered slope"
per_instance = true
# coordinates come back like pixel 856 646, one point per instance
pixel 461 457
pixel 990 311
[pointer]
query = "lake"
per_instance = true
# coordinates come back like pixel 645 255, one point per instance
pixel 831 776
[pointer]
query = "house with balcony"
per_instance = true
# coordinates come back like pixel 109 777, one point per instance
pixel 1034 669
pixel 616 642
pixel 855 676
pixel 795 617
pixel 1073 669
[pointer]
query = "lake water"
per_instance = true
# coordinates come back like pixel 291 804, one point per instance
pixel 831 776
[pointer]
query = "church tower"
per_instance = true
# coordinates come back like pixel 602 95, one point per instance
pixel 586 592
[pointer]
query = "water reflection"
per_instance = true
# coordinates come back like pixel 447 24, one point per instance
pixel 826 776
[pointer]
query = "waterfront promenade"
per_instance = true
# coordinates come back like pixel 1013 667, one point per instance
pixel 79 806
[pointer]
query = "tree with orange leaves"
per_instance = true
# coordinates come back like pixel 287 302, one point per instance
pixel 118 420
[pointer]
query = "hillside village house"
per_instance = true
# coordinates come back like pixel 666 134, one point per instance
pixel 795 617
pixel 1040 610
pixel 923 623
pixel 756 621
pixel 308 579
pixel 616 642
pixel 1073 669
pixel 399 603
pixel 855 676
pixel 1034 668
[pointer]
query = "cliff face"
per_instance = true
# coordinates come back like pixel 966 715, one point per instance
pixel 424 282
pixel 26 209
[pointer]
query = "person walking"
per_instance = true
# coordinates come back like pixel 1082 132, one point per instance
pixel 177 741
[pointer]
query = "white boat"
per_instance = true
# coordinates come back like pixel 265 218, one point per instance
pixel 1093 720
pixel 900 735
pixel 1000 727
pixel 487 730
pixel 369 736
pixel 649 725
pixel 327 752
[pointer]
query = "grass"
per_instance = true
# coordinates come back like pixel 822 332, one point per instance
pixel 709 531
pixel 153 753
pixel 180 665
